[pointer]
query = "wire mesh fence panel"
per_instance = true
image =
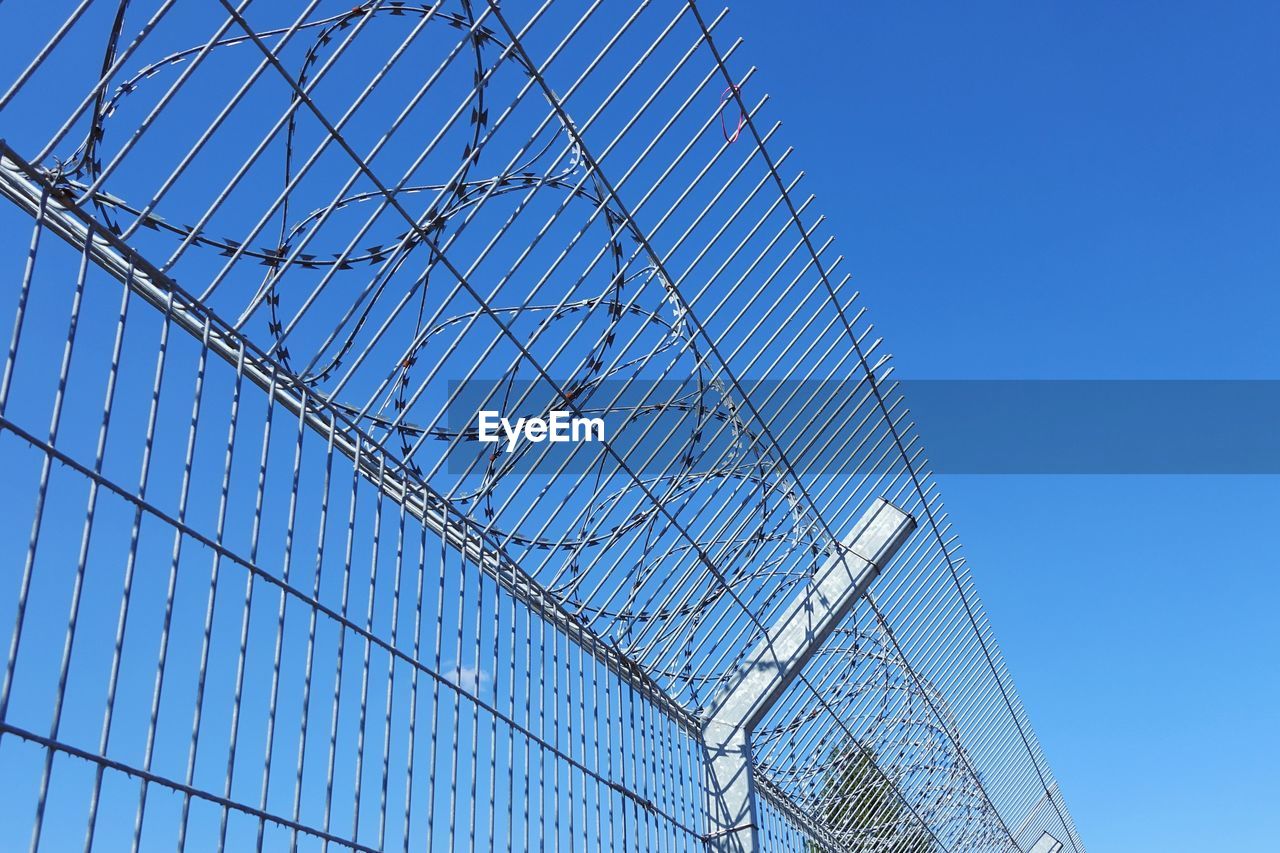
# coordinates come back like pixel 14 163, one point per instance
pixel 229 635
pixel 273 584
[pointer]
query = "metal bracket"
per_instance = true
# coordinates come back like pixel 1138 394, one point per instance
pixel 777 660
pixel 1047 844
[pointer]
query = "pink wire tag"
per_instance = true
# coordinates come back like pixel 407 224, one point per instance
pixel 742 116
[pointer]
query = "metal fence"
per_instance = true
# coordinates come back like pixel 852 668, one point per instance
pixel 267 588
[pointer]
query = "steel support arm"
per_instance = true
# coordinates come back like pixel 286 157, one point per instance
pixel 777 660
pixel 1047 844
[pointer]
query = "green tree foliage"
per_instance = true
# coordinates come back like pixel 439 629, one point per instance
pixel 860 805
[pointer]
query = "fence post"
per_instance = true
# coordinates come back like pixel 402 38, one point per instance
pixel 777 659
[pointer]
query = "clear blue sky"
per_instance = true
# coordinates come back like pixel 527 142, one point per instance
pixel 1079 190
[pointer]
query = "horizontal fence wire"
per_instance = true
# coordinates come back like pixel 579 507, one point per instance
pixel 268 587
